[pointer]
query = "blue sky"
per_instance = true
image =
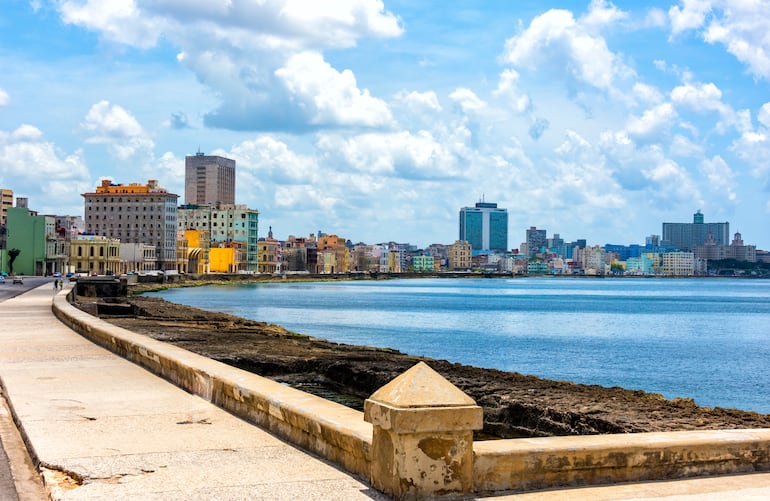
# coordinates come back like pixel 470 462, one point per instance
pixel 379 120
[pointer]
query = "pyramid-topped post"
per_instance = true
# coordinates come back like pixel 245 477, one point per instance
pixel 422 444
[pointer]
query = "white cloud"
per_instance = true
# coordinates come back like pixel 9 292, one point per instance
pixel 556 38
pixel 740 26
pixel 113 125
pixel 721 178
pixel 764 115
pixel 263 59
pixel 468 101
pixel 4 98
pixel 691 15
pixel 30 165
pixel 26 133
pixel 507 89
pixel 647 93
pixel 654 122
pixel 329 97
pixel 600 14
pixel 401 155
pixel 420 100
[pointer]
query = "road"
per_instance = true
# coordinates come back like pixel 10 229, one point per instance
pixel 10 441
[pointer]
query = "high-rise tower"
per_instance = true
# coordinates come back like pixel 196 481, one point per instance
pixel 485 227
pixel 209 180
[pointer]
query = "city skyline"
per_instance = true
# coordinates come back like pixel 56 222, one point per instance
pixel 377 121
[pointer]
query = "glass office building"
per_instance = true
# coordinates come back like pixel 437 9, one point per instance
pixel 485 227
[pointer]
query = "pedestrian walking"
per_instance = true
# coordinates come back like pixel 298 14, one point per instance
pixel 56 285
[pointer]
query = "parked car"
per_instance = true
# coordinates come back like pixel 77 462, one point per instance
pixel 18 280
pixel 57 274
pixel 2 279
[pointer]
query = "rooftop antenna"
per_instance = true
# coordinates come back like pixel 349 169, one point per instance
pixel 199 153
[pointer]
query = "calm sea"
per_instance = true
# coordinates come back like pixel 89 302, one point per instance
pixel 706 339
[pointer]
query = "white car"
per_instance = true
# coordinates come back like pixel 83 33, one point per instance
pixel 18 280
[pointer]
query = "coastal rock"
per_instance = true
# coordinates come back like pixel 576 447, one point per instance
pixel 515 405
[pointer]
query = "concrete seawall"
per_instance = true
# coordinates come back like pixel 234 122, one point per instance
pixel 341 435
pixel 328 429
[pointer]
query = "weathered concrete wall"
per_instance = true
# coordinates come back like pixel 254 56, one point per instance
pixel 540 463
pixel 331 430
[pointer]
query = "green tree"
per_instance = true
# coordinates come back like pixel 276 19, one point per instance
pixel 12 255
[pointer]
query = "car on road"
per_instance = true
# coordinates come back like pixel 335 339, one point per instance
pixel 57 274
pixel 2 279
pixel 18 280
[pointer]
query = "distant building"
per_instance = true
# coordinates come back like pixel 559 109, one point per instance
pixel 135 213
pixel 6 202
pixel 209 180
pixel 485 227
pixel 536 240
pixel 223 226
pixel 687 236
pixel 95 254
pixel 269 254
pixel 677 264
pixel 460 255
pixel 422 263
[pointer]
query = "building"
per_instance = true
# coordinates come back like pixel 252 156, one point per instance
pixel 485 227
pixel 223 226
pixel 269 254
pixel 423 263
pixel 136 258
pixel 135 213
pixel 209 179
pixel 687 236
pixel 6 202
pixel 536 241
pixel 677 264
pixel 94 254
pixel 460 255
pixel 333 255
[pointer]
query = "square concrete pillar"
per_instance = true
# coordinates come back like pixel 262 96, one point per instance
pixel 422 444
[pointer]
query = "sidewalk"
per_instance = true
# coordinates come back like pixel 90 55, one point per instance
pixel 104 428
pixel 95 419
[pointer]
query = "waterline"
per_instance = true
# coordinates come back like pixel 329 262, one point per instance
pixel 701 339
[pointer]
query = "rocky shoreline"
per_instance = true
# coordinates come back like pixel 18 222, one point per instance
pixel 515 405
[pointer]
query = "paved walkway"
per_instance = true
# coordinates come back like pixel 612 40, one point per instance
pixel 104 428
pixel 95 419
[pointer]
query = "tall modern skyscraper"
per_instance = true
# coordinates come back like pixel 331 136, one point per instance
pixel 688 236
pixel 209 180
pixel 485 227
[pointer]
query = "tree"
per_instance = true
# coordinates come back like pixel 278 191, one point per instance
pixel 12 255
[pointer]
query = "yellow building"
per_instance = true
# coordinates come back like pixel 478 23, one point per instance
pixel 197 251
pixel 95 255
pixel 226 259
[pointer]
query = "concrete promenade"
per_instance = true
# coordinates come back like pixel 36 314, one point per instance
pixel 101 427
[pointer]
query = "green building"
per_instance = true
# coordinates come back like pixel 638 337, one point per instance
pixel 27 232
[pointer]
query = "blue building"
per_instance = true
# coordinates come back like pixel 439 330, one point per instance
pixel 485 227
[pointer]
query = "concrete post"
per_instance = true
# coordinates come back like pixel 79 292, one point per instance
pixel 422 444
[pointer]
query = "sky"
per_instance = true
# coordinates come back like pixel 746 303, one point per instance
pixel 379 120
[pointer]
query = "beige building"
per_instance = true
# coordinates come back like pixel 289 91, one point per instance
pixel 135 213
pixel 136 258
pixel 269 254
pixel 95 255
pixel 6 202
pixel 460 257
pixel 677 264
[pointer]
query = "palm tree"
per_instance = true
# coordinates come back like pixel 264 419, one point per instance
pixel 12 255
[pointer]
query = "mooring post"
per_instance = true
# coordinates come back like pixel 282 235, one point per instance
pixel 422 444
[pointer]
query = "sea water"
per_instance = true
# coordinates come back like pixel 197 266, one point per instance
pixel 705 339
